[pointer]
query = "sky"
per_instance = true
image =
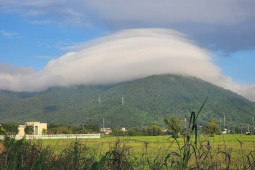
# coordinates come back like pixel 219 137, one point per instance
pixel 60 43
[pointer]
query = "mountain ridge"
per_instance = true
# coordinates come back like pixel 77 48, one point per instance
pixel 146 101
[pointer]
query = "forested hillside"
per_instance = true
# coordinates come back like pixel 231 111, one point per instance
pixel 146 101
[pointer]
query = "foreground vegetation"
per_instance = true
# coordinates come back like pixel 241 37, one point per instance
pixel 144 152
pixel 191 151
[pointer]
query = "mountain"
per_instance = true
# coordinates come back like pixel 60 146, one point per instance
pixel 146 101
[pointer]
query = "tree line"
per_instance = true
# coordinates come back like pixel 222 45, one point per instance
pixel 172 127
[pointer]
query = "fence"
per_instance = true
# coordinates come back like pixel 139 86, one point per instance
pixel 55 136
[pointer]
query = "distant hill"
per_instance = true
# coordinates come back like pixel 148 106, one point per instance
pixel 146 101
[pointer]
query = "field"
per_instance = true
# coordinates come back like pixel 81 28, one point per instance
pixel 220 151
pixel 138 144
pixel 141 152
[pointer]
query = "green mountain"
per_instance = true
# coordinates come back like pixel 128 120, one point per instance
pixel 146 101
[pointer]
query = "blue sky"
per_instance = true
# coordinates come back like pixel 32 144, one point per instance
pixel 33 45
pixel 33 33
pixel 239 65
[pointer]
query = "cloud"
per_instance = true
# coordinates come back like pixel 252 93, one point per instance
pixel 248 92
pixel 124 56
pixel 9 34
pixel 216 24
pixel 16 78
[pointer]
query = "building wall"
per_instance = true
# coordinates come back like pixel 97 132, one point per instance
pixel 21 130
pixel 38 127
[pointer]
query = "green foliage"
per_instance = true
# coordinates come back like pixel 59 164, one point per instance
pixel 44 131
pixel 78 154
pixel 147 101
pixel 117 132
pixel 154 130
pixel 237 130
pixel 136 132
pixel 60 129
pixel 173 126
pixel 89 127
pixel 117 158
pixel 23 154
pixel 212 127
pixel 189 147
pixel 2 131
pixel 29 130
pixel 10 129
pixel 193 154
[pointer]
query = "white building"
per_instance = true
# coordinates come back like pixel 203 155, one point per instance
pixel 106 130
pixel 38 128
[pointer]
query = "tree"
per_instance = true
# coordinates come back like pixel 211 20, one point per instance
pixel 136 132
pixel 154 130
pixel 91 127
pixel 237 130
pixel 173 126
pixel 29 130
pixel 11 129
pixel 2 131
pixel 117 132
pixel 44 131
pixel 212 127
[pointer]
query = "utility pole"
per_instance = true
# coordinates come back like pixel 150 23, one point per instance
pixel 185 120
pixel 224 122
pixel 99 100
pixel 253 122
pixel 220 126
pixel 103 124
pixel 122 100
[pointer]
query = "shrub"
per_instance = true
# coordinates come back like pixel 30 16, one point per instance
pixel 154 130
pixel 173 126
pixel 212 128
pixel 29 130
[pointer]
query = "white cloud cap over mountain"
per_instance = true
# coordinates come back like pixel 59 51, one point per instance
pixel 123 56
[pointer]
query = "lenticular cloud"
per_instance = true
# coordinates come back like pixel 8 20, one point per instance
pixel 124 56
pixel 129 55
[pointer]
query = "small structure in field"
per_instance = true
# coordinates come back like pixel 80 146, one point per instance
pixel 38 128
pixel 225 131
pixel 106 130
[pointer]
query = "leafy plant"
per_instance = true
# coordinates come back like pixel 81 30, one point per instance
pixel 29 130
pixel 189 147
pixel 212 128
pixel 173 126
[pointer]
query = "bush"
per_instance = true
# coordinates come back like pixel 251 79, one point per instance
pixel 212 128
pixel 173 126
pixel 29 130
pixel 11 129
pixel 154 130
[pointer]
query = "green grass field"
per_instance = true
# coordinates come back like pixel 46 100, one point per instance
pixel 138 144
pixel 156 148
pixel 140 152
